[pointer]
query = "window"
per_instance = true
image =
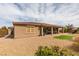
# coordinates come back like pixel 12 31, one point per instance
pixel 30 29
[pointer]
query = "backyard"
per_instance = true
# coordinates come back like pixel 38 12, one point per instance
pixel 28 46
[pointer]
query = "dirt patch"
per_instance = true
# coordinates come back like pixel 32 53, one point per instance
pixel 28 46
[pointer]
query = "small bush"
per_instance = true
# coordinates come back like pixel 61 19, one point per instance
pixel 3 31
pixel 53 51
pixel 76 39
pixel 75 47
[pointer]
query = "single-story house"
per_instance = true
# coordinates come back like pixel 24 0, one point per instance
pixel 29 29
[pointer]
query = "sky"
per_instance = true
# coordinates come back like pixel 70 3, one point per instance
pixel 51 13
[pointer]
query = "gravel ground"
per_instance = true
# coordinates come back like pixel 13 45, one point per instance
pixel 28 46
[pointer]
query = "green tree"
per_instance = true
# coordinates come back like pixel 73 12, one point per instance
pixel 69 28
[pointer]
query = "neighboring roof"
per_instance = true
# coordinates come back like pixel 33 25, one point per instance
pixel 35 24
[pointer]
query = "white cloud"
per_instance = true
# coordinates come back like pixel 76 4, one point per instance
pixel 61 14
pixel 9 9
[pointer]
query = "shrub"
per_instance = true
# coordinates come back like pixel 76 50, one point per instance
pixel 75 46
pixel 52 51
pixel 76 39
pixel 3 31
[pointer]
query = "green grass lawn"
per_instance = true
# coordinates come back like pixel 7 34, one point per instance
pixel 64 37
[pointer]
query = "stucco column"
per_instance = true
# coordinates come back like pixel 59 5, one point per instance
pixel 58 30
pixel 62 30
pixel 42 31
pixel 52 30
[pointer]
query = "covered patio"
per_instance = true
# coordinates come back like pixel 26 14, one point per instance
pixel 51 30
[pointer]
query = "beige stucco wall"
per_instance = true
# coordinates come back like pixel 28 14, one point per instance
pixel 22 31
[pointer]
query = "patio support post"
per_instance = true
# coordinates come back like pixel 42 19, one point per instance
pixel 58 30
pixel 42 31
pixel 52 30
pixel 62 30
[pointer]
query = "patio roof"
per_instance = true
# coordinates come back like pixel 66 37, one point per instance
pixel 35 24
